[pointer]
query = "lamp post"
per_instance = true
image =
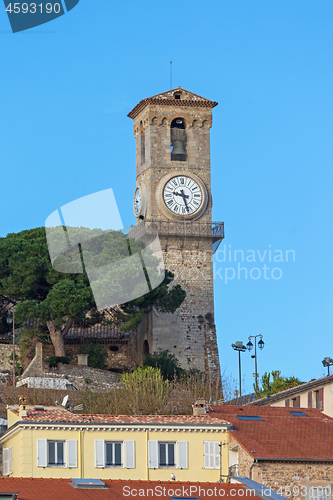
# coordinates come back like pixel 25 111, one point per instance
pixel 261 345
pixel 328 362
pixel 11 319
pixel 240 347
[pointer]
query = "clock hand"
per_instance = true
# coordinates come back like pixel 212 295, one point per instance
pixel 184 198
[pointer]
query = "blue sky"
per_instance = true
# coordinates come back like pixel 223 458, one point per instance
pixel 67 86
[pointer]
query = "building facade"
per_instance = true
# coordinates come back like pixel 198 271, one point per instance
pixel 287 449
pixel 53 442
pixel 314 394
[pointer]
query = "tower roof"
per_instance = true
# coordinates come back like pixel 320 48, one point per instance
pixel 168 98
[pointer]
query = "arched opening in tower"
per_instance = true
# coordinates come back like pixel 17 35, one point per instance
pixel 145 349
pixel 178 140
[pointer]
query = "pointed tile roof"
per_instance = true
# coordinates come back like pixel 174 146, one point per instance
pixel 167 98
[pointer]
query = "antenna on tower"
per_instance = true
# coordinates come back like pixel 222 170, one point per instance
pixel 170 75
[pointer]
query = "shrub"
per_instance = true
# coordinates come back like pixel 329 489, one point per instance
pixel 146 391
pixel 166 362
pixel 96 355
pixel 54 360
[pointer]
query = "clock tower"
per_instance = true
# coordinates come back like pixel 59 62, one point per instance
pixel 173 196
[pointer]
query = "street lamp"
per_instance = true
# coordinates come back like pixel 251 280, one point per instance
pixel 261 345
pixel 11 319
pixel 240 347
pixel 328 362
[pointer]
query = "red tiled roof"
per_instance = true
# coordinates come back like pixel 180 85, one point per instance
pixel 60 414
pixel 280 435
pixel 53 489
pixel 167 99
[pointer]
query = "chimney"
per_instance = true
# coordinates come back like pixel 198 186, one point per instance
pixel 22 407
pixel 199 407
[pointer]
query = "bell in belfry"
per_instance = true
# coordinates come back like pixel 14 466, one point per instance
pixel 178 148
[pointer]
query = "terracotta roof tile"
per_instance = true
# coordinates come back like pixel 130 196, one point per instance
pixel 280 435
pixel 60 414
pixel 53 489
pixel 167 99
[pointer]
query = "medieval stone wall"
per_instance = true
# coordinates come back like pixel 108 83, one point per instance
pixel 120 359
pixel 189 333
pixel 6 350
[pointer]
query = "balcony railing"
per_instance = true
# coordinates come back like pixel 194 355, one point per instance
pixel 185 229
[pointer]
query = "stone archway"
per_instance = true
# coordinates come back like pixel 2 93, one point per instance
pixel 145 349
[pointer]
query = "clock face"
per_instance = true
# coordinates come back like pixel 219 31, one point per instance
pixel 182 195
pixel 137 202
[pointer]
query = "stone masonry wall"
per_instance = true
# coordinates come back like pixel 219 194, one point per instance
pixel 5 352
pixel 244 461
pixel 296 477
pixel 185 332
pixel 120 359
pixel 290 479
pixel 84 377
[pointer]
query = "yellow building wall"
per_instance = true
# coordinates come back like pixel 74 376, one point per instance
pixel 12 418
pixel 25 455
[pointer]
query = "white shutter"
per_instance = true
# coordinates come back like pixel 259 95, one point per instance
pixel 99 453
pixel 217 455
pixel 5 462
pixel 10 459
pixel 130 454
pixel 41 452
pixel 182 455
pixel 153 454
pixel 212 454
pixel 72 453
pixel 206 454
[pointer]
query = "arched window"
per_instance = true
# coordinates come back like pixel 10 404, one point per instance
pixel 178 140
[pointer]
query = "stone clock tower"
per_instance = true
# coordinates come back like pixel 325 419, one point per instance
pixel 173 195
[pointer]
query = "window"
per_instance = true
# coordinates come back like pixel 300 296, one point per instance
pixel 212 454
pixel 113 454
pixel 319 399
pixel 298 414
pixel 55 455
pixel 296 402
pixel 7 461
pixel 249 417
pixel 166 455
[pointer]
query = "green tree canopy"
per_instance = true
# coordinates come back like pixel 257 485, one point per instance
pixel 57 299
pixel 166 362
pixel 277 384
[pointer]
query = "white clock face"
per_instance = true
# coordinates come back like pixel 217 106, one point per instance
pixel 137 202
pixel 182 195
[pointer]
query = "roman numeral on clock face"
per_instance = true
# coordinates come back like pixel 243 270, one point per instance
pixel 182 195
